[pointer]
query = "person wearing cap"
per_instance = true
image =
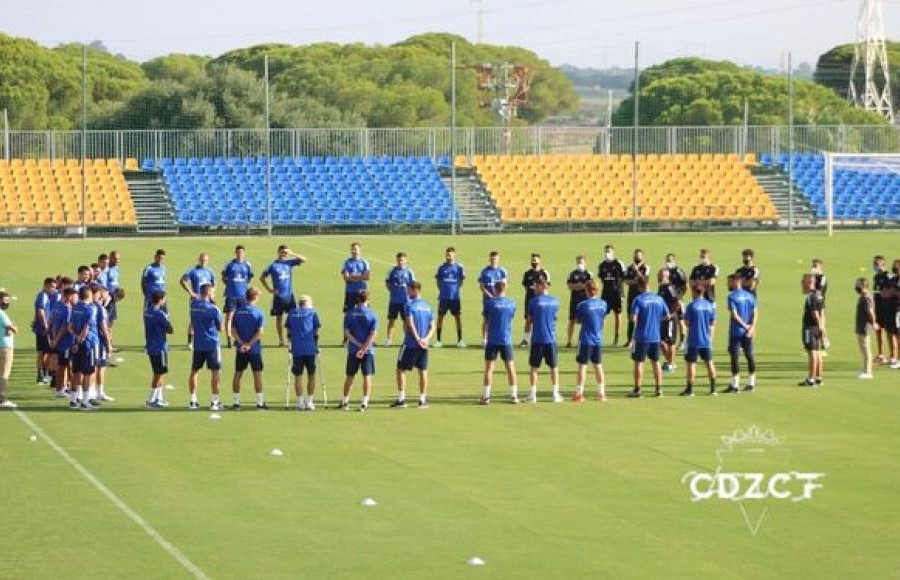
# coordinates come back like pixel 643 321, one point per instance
pixel 8 331
pixel 281 289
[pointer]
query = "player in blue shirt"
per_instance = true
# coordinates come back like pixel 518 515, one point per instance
pixel 543 310
pixel 700 318
pixel 193 280
pixel 648 311
pixel 115 290
pixel 487 281
pixel 419 325
pixel 360 329
pixel 282 287
pixel 303 326
pixel 355 272
pixel 590 314
pixel 397 284
pixel 153 278
pixel 104 343
pixel 500 312
pixel 744 316
pixel 40 326
pixel 82 325
pixel 61 340
pixel 450 277
pixel 156 327
pixel 236 276
pixel 247 330
pixel 83 279
pixel 207 322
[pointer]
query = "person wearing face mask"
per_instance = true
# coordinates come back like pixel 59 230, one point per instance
pixel 706 273
pixel 637 269
pixel 577 283
pixel 817 269
pixel 8 331
pixel 678 280
pixel 531 277
pixel 865 321
pixel 881 283
pixel 748 273
pixel 893 315
pixel 612 273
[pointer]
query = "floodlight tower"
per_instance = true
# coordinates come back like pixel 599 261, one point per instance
pixel 504 88
pixel 479 21
pixel 874 92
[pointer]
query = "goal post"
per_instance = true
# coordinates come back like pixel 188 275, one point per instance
pixel 847 178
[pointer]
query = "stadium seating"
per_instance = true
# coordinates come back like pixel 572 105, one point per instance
pixel 859 193
pixel 601 188
pixel 306 190
pixel 48 193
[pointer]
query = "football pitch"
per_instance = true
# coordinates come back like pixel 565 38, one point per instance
pixel 592 490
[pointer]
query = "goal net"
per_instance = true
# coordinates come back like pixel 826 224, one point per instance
pixel 860 187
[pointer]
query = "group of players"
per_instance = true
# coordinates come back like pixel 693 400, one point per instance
pixel 74 322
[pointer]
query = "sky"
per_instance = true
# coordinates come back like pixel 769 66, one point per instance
pixel 586 33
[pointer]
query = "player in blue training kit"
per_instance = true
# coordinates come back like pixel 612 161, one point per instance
pixel 62 340
pixel 156 327
pixel 487 280
pixel 116 292
pixel 207 322
pixel 360 329
pixel 744 315
pixel 450 277
pixel 236 275
pixel 282 287
pixel 193 280
pixel 700 318
pixel 543 310
pixel 648 312
pixel 418 324
pixel 83 327
pixel 591 314
pixel 397 284
pixel 104 344
pixel 303 326
pixel 247 330
pixel 500 312
pixel 43 303
pixel 153 278
pixel 355 272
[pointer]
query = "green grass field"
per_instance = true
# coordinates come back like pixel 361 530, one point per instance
pixel 545 491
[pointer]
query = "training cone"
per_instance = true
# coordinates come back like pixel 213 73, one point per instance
pixel 215 416
pixel 276 452
pixel 369 502
pixel 475 561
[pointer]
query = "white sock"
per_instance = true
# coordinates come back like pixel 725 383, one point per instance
pixel 528 336
pixel 532 392
pixel 301 400
pixel 236 397
pixel 751 380
pixel 601 389
pixel 735 381
pixel 401 395
pixel 80 393
pixel 579 390
pixel 555 390
pixel 487 392
pixel 365 401
pixel 102 390
pixel 92 393
pixel 260 398
pixel 215 398
pixel 514 391
pixel 154 394
pixel 193 397
pixel 345 400
pixel 422 398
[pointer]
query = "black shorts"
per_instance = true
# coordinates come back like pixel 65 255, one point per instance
pixel 159 363
pixel 812 338
pixel 281 304
pixel 528 297
pixel 244 359
pixel 504 350
pixel 232 303
pixel 693 353
pixel 542 353
pixel 63 357
pixel 301 362
pixel 736 343
pixel 42 343
pixel 211 358
pixel 589 353
pixel 613 299
pixel 891 323
pixel 112 312
pixel 573 306
pixel 453 306
pixel 883 311
pixel 410 357
pixel 84 360
pixel 395 309
pixel 350 299
pixel 365 364
pixel 667 331
pixel 644 350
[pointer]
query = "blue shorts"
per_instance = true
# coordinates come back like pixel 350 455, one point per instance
pixel 303 361
pixel 63 357
pixel 412 357
pixel 159 363
pixel 244 359
pixel 452 306
pixel 42 343
pixel 281 304
pixel 112 312
pixel 365 364
pixel 232 303
pixel 542 352
pixel 736 343
pixel 644 350
pixel 395 309
pixel 102 354
pixel 504 350
pixel 211 358
pixel 589 353
pixel 484 311
pixel 693 352
pixel 84 361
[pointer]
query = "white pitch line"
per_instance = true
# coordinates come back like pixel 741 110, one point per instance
pixel 116 501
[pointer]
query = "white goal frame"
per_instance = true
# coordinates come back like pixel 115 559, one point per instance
pixel 832 158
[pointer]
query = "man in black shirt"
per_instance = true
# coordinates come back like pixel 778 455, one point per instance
pixel 672 298
pixel 813 331
pixel 748 273
pixel 892 296
pixel 881 284
pixel 636 269
pixel 529 279
pixel 577 283
pixel 817 269
pixel 612 273
pixel 678 280
pixel 705 273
